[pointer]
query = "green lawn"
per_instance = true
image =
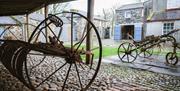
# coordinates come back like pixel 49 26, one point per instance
pixel 106 51
pixel 110 51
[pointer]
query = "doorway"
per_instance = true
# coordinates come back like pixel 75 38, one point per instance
pixel 125 29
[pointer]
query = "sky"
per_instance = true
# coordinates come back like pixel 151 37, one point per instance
pixel 99 5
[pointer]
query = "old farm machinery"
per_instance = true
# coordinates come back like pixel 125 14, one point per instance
pixel 56 51
pixel 129 51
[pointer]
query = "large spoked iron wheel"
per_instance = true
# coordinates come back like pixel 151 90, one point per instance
pixel 171 58
pixel 63 56
pixel 127 52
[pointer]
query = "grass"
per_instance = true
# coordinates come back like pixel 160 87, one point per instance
pixel 110 51
pixel 106 51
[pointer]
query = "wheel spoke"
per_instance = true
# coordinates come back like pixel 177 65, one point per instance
pixel 123 55
pixel 80 42
pixel 122 51
pixel 13 34
pixel 81 66
pixel 128 58
pixel 66 77
pixel 124 47
pixel 31 60
pixel 85 66
pixel 40 30
pixel 132 56
pixel 5 30
pixel 78 76
pixel 83 34
pixel 44 36
pixel 148 51
pixel 58 39
pixel 128 47
pixel 38 63
pixel 51 74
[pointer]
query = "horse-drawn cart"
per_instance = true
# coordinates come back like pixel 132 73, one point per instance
pixel 128 51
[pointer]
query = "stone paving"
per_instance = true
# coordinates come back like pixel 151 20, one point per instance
pixel 115 76
pixel 142 75
pixel 155 63
pixel 103 82
pixel 151 72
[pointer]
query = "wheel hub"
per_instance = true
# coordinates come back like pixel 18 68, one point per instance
pixel 128 52
pixel 73 57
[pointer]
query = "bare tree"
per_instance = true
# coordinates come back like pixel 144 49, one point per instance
pixel 109 14
pixel 57 8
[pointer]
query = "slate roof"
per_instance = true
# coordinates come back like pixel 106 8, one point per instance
pixel 167 15
pixel 131 6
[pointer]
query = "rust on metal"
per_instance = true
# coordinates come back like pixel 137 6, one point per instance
pixel 17 55
pixel 144 48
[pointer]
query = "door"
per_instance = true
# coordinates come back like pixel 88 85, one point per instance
pixel 138 32
pixel 117 32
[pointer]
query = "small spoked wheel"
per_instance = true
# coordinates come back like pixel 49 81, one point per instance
pixel 60 53
pixel 146 53
pixel 171 58
pixel 127 52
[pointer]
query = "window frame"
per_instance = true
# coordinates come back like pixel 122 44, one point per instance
pixel 127 14
pixel 167 27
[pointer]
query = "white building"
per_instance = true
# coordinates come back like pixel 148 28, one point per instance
pixel 162 17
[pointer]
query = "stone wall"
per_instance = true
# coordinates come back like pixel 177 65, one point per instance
pixel 136 16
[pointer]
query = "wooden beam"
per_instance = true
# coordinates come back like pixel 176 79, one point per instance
pixel 21 7
pixel 46 15
pixel 27 28
pixel 90 14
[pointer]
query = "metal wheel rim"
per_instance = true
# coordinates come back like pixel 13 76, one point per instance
pixel 99 48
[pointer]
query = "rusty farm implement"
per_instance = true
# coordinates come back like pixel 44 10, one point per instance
pixel 128 51
pixel 56 49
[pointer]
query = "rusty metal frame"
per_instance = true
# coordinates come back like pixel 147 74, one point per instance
pixel 148 43
pixel 14 57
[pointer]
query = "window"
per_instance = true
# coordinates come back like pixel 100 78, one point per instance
pixel 127 14
pixel 167 27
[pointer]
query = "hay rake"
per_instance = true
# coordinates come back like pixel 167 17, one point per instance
pixel 128 51
pixel 56 51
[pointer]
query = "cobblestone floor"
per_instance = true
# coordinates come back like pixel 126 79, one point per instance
pixel 144 78
pixel 110 78
pixel 103 82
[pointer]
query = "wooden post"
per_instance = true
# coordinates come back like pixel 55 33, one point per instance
pixel 45 16
pixel 27 28
pixel 90 13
